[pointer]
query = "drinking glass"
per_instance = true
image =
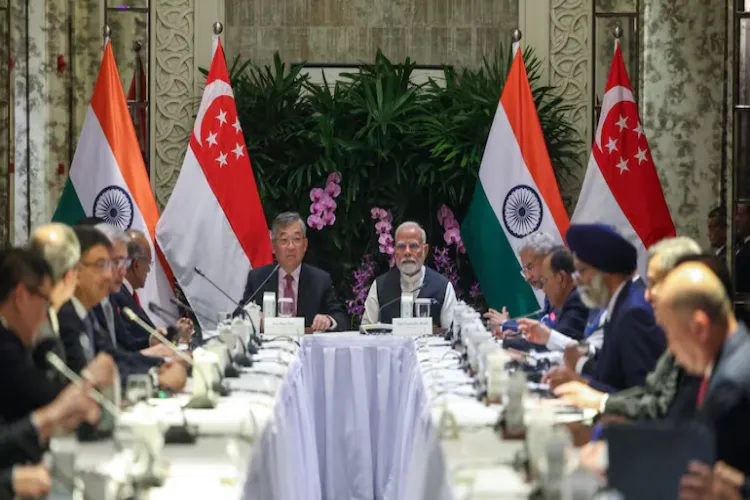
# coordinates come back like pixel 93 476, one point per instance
pixel 225 317
pixel 286 307
pixel 422 307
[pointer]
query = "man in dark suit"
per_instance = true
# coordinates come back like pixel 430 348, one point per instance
pixel 310 288
pixel 25 286
pixel 558 285
pixel 83 336
pixel 708 341
pixel 139 262
pixel 24 441
pixel 669 392
pixel 605 263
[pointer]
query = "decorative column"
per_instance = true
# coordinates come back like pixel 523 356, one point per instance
pixel 682 95
pixel 182 45
pixel 29 42
pixel 570 71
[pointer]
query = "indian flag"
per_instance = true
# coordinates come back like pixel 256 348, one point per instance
pixel 108 178
pixel 516 196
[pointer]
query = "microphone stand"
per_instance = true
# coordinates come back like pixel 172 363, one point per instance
pixel 195 402
pixel 252 346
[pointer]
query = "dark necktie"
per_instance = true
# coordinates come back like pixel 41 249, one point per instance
pixel 702 391
pixel 289 292
pixel 135 297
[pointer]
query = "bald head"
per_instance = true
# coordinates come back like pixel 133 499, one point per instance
pixel 59 246
pixel 696 315
pixel 139 251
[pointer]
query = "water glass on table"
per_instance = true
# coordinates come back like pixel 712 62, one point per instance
pixel 224 318
pixel 286 307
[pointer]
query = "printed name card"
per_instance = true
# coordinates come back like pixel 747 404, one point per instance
pixel 412 327
pixel 293 327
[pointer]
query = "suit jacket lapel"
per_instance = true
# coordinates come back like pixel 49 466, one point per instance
pixel 301 296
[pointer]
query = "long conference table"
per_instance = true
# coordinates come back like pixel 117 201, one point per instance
pixel 341 415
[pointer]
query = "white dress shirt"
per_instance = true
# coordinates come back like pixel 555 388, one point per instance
pixel 410 283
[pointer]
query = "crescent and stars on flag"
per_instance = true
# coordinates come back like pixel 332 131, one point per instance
pixel 220 136
pixel 626 145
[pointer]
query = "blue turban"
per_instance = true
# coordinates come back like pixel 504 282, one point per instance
pixel 603 248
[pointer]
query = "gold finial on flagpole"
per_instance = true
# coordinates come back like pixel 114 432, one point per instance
pixel 218 28
pixel 618 32
pixel 137 46
pixel 517 35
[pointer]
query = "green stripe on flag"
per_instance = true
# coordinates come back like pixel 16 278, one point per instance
pixel 493 259
pixel 69 210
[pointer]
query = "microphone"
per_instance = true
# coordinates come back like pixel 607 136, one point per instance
pixel 211 282
pixel 172 332
pixel 178 303
pixel 218 387
pixel 59 365
pixel 155 333
pixel 243 303
pixel 380 309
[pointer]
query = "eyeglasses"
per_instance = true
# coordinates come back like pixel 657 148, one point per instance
pixel 526 270
pixel 285 242
pixel 122 262
pixel 413 246
pixel 100 265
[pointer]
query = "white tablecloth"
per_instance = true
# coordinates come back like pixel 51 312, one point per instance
pixel 354 409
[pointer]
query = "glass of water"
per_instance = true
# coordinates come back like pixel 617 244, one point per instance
pixel 286 307
pixel 225 318
pixel 422 308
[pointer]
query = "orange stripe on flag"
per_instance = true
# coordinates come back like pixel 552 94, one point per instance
pixel 111 109
pixel 518 103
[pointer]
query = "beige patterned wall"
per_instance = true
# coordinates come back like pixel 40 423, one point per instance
pixel 570 71
pixel 458 32
pixel 681 103
pixel 173 91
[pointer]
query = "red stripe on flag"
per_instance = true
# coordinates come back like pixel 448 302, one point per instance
pixel 219 146
pixel 622 153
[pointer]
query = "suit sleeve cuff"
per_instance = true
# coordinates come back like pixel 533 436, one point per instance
pixel 557 341
pixel 579 364
pixel 334 325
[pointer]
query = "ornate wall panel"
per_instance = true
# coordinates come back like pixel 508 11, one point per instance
pixel 6 134
pixel 570 72
pixel 431 32
pixel 681 102
pixel 173 103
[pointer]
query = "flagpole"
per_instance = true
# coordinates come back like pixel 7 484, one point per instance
pixel 106 33
pixel 516 40
pixel 218 28
pixel 618 35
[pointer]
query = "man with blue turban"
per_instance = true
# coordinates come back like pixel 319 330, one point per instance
pixel 605 262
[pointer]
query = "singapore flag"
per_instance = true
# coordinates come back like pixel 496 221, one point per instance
pixel 621 187
pixel 214 220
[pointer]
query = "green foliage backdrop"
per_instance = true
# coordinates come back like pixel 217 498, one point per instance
pixel 400 146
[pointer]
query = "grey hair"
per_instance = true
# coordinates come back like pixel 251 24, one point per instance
pixel 61 253
pixel 283 220
pixel 671 250
pixel 541 244
pixel 113 233
pixel 414 225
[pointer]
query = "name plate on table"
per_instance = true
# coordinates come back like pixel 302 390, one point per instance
pixel 293 327
pixel 412 327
